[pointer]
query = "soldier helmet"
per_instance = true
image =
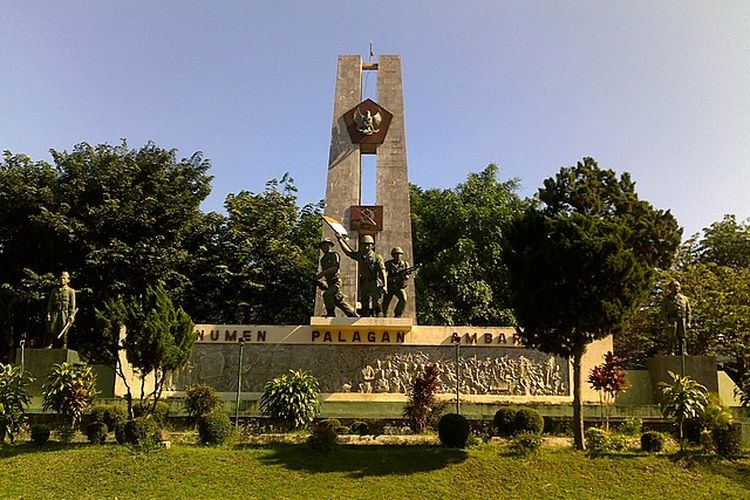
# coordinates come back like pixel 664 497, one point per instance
pixel 325 241
pixel 64 274
pixel 367 239
pixel 396 250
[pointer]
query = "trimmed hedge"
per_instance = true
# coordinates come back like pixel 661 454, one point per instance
pixel 652 442
pixel 215 428
pixel 528 420
pixel 96 432
pixel 40 434
pixel 503 422
pixel 453 430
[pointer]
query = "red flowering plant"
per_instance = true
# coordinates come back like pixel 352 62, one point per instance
pixel 609 380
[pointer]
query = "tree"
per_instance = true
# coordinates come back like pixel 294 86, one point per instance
pixel 116 218
pixel 457 238
pixel 710 270
pixel 264 253
pixel 159 340
pixel 609 380
pixel 582 260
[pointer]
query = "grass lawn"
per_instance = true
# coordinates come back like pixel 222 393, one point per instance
pixel 371 472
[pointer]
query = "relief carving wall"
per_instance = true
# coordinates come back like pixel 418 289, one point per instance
pixel 379 369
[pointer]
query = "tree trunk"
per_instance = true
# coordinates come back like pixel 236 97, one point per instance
pixel 580 444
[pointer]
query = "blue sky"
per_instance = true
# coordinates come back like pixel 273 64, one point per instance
pixel 658 89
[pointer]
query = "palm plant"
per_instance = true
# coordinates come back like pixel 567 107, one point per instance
pixel 683 399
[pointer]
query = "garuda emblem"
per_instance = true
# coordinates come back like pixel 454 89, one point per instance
pixel 367 123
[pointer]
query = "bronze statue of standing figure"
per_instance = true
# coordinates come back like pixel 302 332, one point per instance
pixel 372 277
pixel 330 263
pixel 398 271
pixel 676 312
pixel 61 312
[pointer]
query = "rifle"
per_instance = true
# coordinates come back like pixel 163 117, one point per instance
pixel 322 286
pixel 407 271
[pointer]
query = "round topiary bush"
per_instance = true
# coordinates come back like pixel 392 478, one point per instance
pixel 503 422
pixel 652 442
pixel 215 428
pixel 141 432
pixel 96 432
pixel 40 434
pixel 453 430
pixel 528 420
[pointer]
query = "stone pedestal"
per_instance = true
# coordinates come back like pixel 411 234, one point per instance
pixel 38 363
pixel 699 368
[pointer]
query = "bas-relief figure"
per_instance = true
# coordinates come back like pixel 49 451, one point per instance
pixel 676 312
pixel 381 369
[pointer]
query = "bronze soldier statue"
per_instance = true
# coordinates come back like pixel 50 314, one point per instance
pixel 330 264
pixel 371 274
pixel 61 312
pixel 676 311
pixel 398 272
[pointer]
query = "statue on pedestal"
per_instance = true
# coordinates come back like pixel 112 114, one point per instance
pixel 330 263
pixel 61 313
pixel 372 276
pixel 676 312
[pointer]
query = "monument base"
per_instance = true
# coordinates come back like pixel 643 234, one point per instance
pixel 38 362
pixel 700 368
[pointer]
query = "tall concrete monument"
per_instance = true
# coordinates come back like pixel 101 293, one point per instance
pixel 364 127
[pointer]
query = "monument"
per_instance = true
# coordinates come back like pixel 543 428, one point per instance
pixel 370 357
pixel 364 127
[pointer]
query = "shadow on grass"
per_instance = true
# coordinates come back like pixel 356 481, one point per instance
pixel 362 461
pixel 29 447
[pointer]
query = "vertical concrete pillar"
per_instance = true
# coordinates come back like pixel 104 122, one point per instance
pixel 392 179
pixel 344 170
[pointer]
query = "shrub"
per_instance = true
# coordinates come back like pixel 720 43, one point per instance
pixel 597 441
pixel 361 428
pixel 618 442
pixel 200 400
pixel 631 426
pixel 13 400
pixel 160 414
pixel 683 399
pixel 503 422
pixel 65 433
pixel 453 430
pixel 727 441
pixel 112 416
pixel 608 380
pixel 96 432
pixel 332 422
pixel 120 434
pixel 324 437
pixel 292 397
pixel 141 432
pixel 215 428
pixel 652 442
pixel 69 391
pixel 528 420
pixel 526 444
pixel 40 434
pixel 422 407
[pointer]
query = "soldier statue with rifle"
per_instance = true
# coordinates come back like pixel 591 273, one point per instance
pixel 398 272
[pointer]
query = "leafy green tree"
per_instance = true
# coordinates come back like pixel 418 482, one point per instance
pixel 683 399
pixel 710 270
pixel 264 254
pixel 116 218
pixel 582 260
pixel 14 399
pixel 69 390
pixel 457 236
